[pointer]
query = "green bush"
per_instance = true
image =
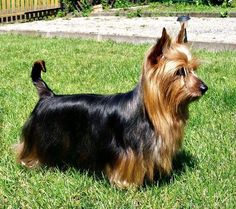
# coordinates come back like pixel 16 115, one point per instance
pixel 85 6
pixel 68 5
pixel 207 2
pixel 122 4
pixel 216 2
pixel 71 6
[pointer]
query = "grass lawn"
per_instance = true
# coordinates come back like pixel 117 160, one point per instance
pixel 205 173
pixel 169 7
pixel 181 7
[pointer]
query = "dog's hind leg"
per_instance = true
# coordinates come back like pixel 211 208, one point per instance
pixel 26 158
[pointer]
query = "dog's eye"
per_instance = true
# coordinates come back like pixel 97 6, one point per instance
pixel 181 72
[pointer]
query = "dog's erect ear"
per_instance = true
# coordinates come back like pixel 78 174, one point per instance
pixel 157 50
pixel 181 35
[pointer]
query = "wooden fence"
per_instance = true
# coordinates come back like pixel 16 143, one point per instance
pixel 13 10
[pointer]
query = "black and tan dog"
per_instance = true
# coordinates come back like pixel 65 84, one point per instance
pixel 128 136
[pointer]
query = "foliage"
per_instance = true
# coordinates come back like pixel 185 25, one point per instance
pixel 204 174
pixel 61 13
pixel 68 5
pixel 87 7
pixel 224 14
pixel 105 4
pixel 72 6
pixel 122 4
pixel 170 8
pixel 135 13
pixel 84 7
pixel 217 2
pixel 206 2
pixel 128 3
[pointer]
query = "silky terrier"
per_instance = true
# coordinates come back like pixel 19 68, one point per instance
pixel 130 137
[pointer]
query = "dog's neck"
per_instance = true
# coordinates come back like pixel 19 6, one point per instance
pixel 168 126
pixel 168 123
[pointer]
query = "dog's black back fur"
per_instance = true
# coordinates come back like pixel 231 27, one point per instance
pixel 86 130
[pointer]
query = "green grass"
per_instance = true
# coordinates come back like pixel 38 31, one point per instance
pixel 168 8
pixel 205 175
pixel 186 7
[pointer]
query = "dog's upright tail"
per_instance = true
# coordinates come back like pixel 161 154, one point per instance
pixel 42 88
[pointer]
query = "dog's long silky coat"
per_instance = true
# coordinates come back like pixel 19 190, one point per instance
pixel 128 136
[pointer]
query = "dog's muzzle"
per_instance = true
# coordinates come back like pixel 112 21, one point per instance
pixel 203 88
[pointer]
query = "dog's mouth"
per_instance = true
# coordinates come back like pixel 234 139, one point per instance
pixel 195 97
pixel 201 91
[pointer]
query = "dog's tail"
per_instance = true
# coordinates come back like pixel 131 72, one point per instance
pixel 42 88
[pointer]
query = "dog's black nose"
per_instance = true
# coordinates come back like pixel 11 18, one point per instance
pixel 203 88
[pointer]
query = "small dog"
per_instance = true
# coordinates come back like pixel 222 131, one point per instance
pixel 129 136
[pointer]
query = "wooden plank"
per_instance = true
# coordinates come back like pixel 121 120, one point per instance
pixel 52 4
pixel 35 4
pixel 13 6
pixel 17 6
pixel 48 4
pixel 22 8
pixel 3 11
pixel 15 14
pixel 11 9
pixel 31 5
pixel 26 5
pixel 45 4
pixel 58 3
pixel 8 6
pixel 19 10
pixel 39 4
pixel 42 4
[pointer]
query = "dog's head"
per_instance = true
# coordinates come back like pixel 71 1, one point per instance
pixel 169 74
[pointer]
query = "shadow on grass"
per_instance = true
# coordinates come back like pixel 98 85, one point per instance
pixel 183 161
